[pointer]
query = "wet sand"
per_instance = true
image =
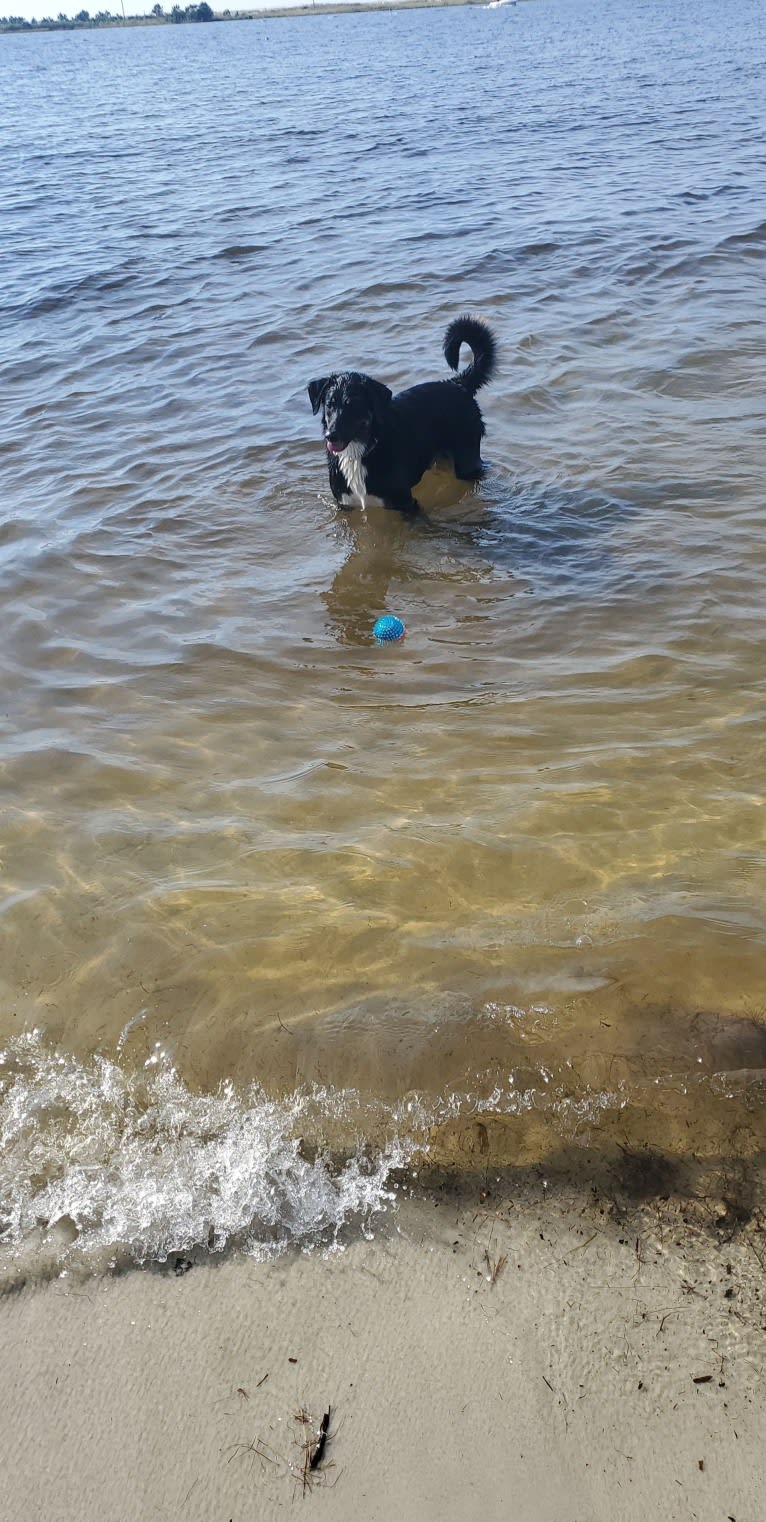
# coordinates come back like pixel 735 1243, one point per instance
pixel 613 1368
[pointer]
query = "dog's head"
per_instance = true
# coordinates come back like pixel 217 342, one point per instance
pixel 353 408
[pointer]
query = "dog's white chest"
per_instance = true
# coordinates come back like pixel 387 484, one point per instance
pixel 354 473
pixel 355 477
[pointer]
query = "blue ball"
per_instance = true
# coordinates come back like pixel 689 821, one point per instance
pixel 387 629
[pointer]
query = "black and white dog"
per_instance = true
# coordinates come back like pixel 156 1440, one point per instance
pixel 379 445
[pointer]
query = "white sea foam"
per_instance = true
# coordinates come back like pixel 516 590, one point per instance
pixel 103 1166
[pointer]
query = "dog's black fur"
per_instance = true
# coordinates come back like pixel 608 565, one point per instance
pixel 379 445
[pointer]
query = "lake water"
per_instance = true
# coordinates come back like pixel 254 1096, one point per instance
pixel 492 896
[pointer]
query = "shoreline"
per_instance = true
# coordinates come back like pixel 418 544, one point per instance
pixel 570 1358
pixel 337 7
pixel 325 7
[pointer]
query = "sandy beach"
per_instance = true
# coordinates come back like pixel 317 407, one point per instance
pixel 550 1359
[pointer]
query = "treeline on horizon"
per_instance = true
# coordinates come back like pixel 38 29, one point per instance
pixel 62 23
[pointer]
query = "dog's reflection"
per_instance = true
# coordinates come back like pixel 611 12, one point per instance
pixel 383 545
pixel 556 541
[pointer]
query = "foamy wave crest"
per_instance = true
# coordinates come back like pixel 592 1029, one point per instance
pixel 107 1167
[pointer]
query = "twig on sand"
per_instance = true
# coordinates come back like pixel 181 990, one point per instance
pixel 316 1457
pixel 258 1449
pixel 495 1269
pixel 314 1442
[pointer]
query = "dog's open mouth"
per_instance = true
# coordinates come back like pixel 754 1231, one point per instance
pixel 335 448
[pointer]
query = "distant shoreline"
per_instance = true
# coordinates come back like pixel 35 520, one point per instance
pixel 334 7
pixel 324 7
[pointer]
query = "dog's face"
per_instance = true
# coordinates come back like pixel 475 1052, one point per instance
pixel 353 407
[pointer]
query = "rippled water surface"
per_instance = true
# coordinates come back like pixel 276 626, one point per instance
pixel 496 890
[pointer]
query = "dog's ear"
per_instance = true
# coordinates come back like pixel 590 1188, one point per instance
pixel 381 397
pixel 316 390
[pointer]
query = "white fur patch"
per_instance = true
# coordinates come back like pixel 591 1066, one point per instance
pixel 355 477
pixel 354 473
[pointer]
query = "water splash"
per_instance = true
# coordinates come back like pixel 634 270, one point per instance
pixel 111 1167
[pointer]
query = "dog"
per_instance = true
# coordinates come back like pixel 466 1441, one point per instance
pixel 379 445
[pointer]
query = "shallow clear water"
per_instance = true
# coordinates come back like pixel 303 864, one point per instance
pixel 497 890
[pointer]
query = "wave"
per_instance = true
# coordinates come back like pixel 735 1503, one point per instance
pixel 103 1167
pixel 113 1168
pixel 68 292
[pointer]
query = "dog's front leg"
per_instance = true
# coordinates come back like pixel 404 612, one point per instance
pixel 402 501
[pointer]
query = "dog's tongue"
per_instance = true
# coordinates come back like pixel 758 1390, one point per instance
pixel 334 448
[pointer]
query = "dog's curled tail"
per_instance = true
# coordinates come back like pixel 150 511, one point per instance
pixel 471 331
